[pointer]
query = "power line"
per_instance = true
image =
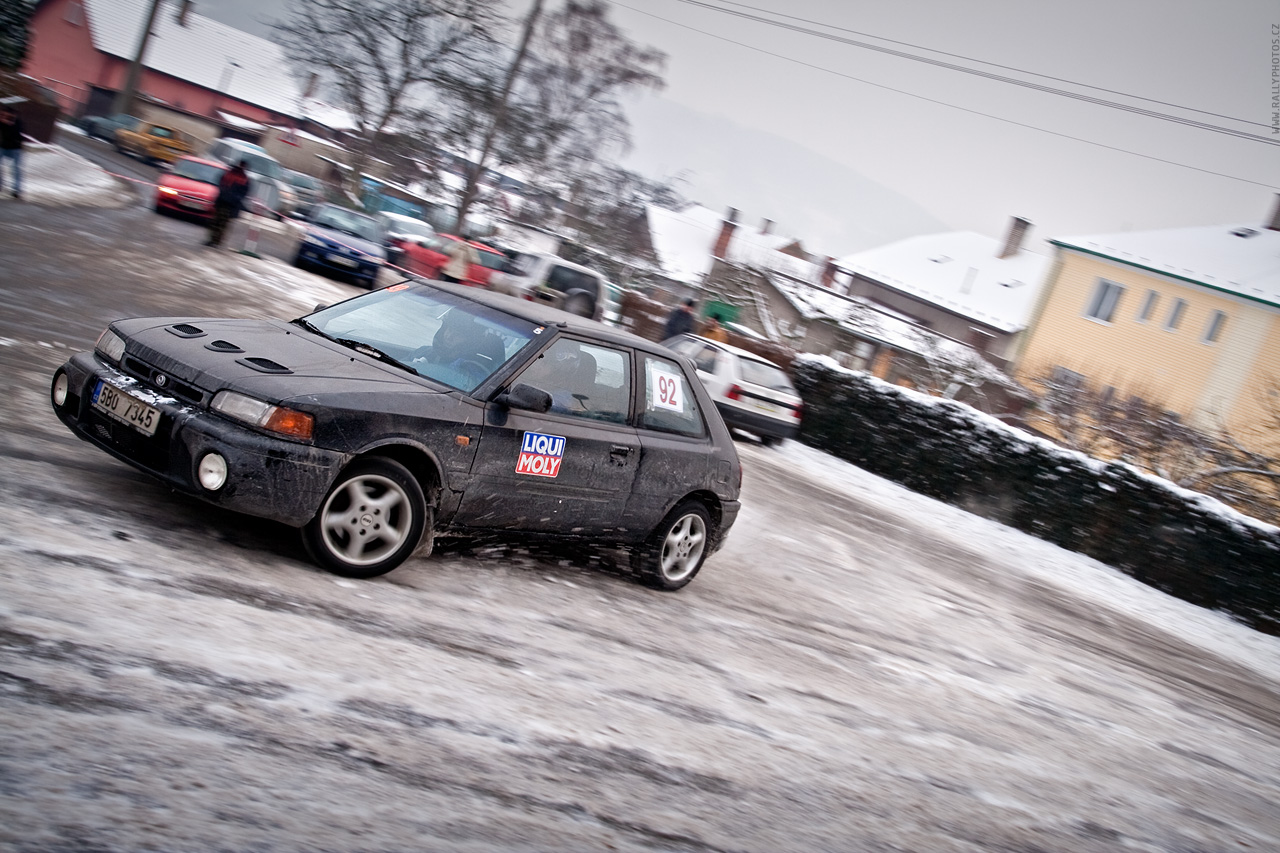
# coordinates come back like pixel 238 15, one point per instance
pixel 983 62
pixel 977 72
pixel 945 104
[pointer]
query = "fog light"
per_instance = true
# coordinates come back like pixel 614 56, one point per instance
pixel 212 472
pixel 61 387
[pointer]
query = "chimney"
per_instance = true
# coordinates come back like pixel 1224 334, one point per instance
pixel 1274 224
pixel 766 227
pixel 184 6
pixel 829 273
pixel 726 234
pixel 1017 230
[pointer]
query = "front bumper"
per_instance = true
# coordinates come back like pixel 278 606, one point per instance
pixel 267 477
pixel 336 260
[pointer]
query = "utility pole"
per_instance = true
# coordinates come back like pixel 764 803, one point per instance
pixel 474 174
pixel 124 98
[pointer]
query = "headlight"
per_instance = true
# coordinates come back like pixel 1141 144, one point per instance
pixel 110 346
pixel 277 419
pixel 168 191
pixel 313 240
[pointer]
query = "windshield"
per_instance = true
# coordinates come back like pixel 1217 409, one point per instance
pixel 438 335
pixel 490 259
pixel 305 181
pixel 205 173
pixel 258 164
pixel 768 375
pixel 348 222
pixel 409 227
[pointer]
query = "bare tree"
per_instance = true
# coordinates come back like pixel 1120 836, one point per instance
pixel 562 114
pixel 383 58
pixel 1133 427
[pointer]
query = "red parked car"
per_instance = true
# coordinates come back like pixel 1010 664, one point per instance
pixel 427 257
pixel 190 187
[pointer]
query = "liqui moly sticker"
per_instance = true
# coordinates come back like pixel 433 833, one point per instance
pixel 540 455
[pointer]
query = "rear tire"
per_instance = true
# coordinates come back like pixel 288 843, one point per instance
pixel 372 519
pixel 676 549
pixel 579 302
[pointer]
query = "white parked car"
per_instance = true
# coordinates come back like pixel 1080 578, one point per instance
pixel 260 164
pixel 752 393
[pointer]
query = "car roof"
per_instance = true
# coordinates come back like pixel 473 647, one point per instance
pixel 203 161
pixel 240 143
pixel 731 349
pixel 544 315
pixel 360 213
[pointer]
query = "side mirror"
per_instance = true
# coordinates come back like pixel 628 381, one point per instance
pixel 525 397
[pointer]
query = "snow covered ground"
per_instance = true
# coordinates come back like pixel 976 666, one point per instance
pixel 860 668
pixel 52 175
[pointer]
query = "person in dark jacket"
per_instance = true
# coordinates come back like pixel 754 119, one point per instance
pixel 232 189
pixel 11 147
pixel 681 319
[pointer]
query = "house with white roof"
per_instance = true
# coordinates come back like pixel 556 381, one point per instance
pixel 966 286
pixel 1186 320
pixel 81 49
pixel 763 285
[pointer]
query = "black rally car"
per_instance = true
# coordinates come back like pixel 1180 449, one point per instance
pixel 373 423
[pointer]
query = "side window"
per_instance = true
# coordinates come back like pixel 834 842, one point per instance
pixel 706 359
pixel 1102 305
pixel 585 380
pixel 669 404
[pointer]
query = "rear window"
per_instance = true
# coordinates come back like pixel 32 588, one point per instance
pixel 765 374
pixel 565 279
pixel 491 260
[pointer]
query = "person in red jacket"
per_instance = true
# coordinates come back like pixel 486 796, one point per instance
pixel 232 189
pixel 11 146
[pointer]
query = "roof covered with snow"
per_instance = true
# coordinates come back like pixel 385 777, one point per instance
pixel 1239 259
pixel 203 51
pixel 960 271
pixel 858 317
pixel 683 240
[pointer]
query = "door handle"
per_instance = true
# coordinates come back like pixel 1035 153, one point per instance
pixel 619 453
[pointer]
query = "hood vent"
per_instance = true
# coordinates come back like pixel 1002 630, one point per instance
pixel 263 365
pixel 222 346
pixel 186 330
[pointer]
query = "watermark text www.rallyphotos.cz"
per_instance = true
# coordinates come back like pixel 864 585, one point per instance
pixel 1275 78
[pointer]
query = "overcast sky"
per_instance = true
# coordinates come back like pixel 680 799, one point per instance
pixel 962 151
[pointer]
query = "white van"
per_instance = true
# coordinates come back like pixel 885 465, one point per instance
pixel 258 163
pixel 548 278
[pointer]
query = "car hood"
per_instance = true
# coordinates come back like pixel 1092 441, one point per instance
pixel 268 359
pixel 187 185
pixel 342 238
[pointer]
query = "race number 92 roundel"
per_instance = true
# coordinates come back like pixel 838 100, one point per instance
pixel 540 454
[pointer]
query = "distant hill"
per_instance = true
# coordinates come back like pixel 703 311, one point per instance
pixel 828 206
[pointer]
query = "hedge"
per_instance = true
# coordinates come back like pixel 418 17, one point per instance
pixel 1186 544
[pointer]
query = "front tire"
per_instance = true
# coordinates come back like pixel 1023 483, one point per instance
pixel 677 548
pixel 372 519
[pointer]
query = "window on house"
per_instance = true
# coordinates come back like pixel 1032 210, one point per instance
pixel 1102 305
pixel 1175 314
pixel 1213 331
pixel 1063 378
pixel 1149 303
pixel 74 14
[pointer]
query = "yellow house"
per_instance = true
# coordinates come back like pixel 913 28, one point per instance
pixel 1188 319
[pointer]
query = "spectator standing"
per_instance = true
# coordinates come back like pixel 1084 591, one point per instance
pixel 233 186
pixel 681 319
pixel 461 256
pixel 714 331
pixel 11 147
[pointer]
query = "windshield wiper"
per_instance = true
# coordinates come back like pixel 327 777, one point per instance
pixel 309 326
pixel 371 350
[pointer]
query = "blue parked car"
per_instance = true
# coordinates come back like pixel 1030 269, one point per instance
pixel 342 241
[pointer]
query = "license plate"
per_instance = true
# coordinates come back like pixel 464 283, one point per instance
pixel 126 408
pixel 346 262
pixel 769 407
pixel 191 202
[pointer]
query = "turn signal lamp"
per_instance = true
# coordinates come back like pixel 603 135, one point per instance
pixel 278 419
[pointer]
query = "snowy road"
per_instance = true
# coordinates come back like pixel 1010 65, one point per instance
pixel 859 669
